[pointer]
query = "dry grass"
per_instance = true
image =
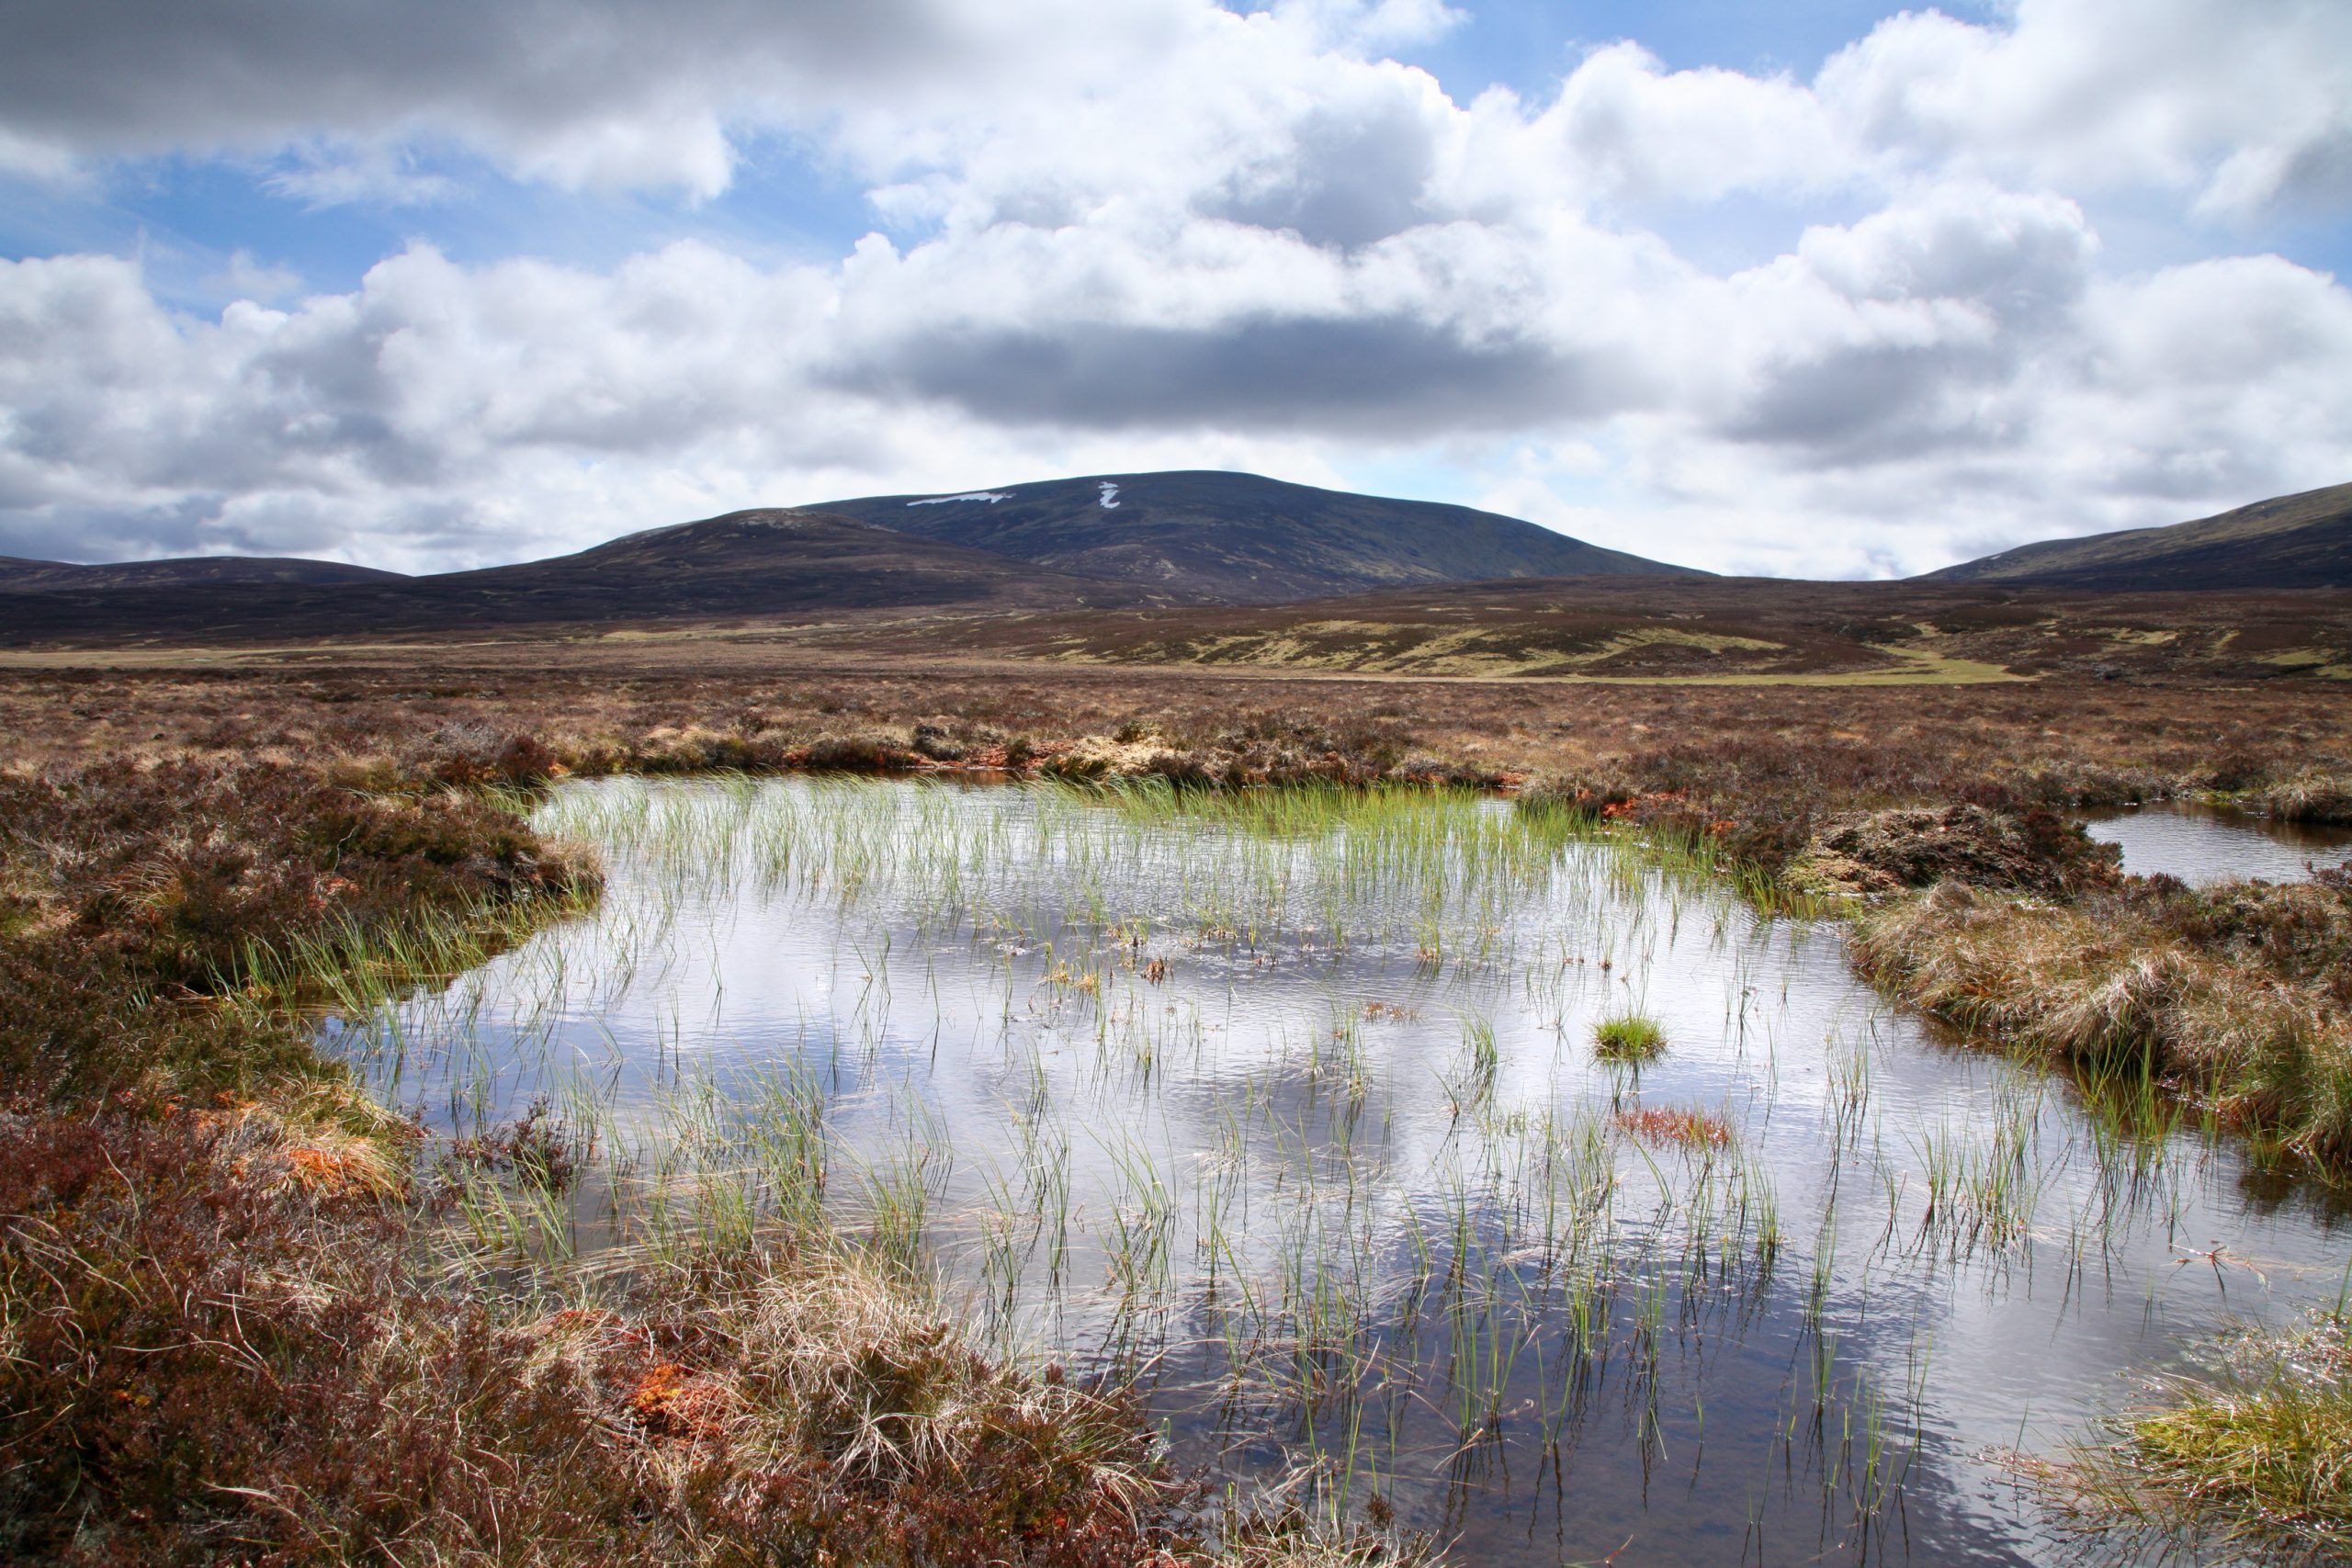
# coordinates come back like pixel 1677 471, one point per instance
pixel 1298 1543
pixel 200 1349
pixel 2311 795
pixel 2128 982
pixel 819 1350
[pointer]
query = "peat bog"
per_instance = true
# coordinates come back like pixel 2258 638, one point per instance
pixel 457 1099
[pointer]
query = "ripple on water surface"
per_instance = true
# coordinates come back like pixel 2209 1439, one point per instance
pixel 1289 1103
pixel 2202 844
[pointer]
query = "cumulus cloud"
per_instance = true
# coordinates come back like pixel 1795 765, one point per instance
pixel 2226 102
pixel 1165 228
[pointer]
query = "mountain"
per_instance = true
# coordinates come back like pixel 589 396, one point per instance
pixel 2290 541
pixel 743 566
pixel 17 574
pixel 1199 534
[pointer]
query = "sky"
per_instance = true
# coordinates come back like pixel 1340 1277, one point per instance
pixel 1828 290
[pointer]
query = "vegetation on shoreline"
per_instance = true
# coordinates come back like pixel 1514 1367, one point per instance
pixel 2250 1452
pixel 2238 998
pixel 238 1317
pixel 225 1327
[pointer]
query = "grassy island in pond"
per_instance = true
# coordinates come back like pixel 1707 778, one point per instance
pixel 1628 1037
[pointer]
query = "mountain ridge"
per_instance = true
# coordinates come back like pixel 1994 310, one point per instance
pixel 2302 540
pixel 21 574
pixel 715 569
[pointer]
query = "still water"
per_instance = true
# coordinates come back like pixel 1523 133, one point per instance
pixel 1288 1105
pixel 2202 844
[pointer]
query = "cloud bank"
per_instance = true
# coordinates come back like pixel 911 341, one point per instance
pixel 1114 237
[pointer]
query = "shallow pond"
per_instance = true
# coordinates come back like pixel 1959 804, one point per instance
pixel 1288 1104
pixel 2202 843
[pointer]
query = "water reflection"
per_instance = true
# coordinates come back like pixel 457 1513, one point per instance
pixel 2203 844
pixel 1293 1112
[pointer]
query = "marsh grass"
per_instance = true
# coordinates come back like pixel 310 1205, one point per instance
pixel 2250 1452
pixel 753 1264
pixel 1540 1251
pixel 239 1305
pixel 1629 1037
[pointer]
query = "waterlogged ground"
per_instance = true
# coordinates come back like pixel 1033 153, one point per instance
pixel 2202 844
pixel 1289 1105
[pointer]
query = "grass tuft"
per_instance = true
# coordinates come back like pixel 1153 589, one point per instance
pixel 2254 1451
pixel 1628 1037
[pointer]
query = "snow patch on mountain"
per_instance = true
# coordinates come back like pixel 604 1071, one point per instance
pixel 1109 494
pixel 990 496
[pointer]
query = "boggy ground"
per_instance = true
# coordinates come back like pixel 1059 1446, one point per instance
pixel 234 1325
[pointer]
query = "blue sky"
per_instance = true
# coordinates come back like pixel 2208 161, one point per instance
pixel 1835 290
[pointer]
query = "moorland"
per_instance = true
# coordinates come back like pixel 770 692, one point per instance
pixel 241 1321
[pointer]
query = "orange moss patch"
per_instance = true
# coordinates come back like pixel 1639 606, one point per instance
pixel 334 1172
pixel 1691 1129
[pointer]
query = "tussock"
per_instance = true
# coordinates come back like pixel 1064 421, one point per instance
pixel 1628 1037
pixel 2252 1453
pixel 2313 794
pixel 2118 984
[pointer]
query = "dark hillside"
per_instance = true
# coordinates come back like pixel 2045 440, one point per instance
pixel 1238 538
pixel 745 566
pixel 17 574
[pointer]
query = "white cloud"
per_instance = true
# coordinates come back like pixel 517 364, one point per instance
pixel 1169 230
pixel 2219 100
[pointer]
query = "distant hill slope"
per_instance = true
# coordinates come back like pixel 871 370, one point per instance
pixel 2292 541
pixel 766 561
pixel 1239 537
pixel 19 574
pixel 743 566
